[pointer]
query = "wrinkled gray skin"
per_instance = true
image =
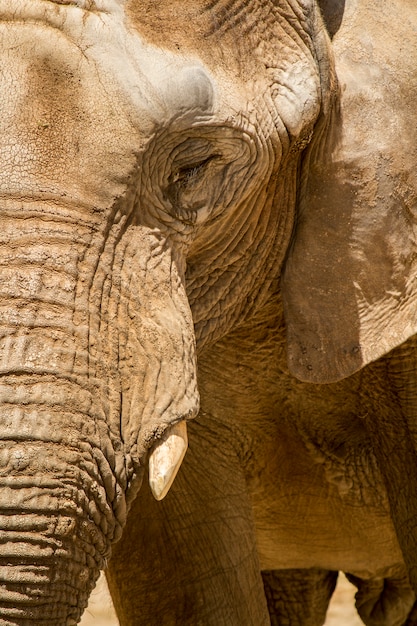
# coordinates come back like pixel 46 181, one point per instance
pixel 249 168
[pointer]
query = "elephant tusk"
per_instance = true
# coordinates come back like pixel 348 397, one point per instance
pixel 165 459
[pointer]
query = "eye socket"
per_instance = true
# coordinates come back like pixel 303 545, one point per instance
pixel 202 171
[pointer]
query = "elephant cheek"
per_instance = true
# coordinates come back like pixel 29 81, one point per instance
pixel 158 362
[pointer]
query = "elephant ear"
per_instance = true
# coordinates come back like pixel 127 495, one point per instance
pixel 350 279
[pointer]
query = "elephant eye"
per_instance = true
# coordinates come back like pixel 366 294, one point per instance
pixel 187 175
pixel 191 189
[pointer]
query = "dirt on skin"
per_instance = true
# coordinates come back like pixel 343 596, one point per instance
pixel 341 611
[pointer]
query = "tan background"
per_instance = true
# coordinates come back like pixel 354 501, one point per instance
pixel 341 611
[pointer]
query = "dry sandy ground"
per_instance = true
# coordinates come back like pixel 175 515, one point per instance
pixel 100 610
pixel 341 610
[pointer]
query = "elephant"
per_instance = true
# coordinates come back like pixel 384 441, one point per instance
pixel 208 241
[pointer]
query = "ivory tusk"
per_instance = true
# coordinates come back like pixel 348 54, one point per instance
pixel 165 459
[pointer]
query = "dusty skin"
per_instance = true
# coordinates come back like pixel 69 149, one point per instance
pixel 208 309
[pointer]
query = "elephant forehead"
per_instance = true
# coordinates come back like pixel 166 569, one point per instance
pixel 91 86
pixel 164 59
pixel 82 94
pixel 52 126
pixel 255 53
pixel 145 76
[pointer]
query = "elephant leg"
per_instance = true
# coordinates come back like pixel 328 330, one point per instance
pixel 385 601
pixel 298 597
pixel 392 428
pixel 191 559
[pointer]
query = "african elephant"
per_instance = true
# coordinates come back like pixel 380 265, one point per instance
pixel 234 180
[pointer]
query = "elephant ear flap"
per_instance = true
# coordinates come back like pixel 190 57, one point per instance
pixel 350 280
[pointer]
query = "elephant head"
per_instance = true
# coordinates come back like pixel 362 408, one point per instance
pixel 150 160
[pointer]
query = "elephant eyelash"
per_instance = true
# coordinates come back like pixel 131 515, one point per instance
pixel 186 175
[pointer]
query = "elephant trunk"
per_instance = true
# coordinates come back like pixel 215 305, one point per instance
pixel 49 559
pixel 61 506
pixel 96 363
pixel 57 495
